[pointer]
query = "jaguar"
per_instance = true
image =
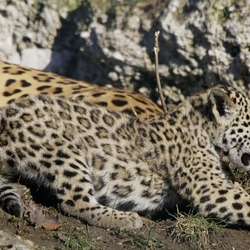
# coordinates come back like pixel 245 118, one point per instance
pixel 110 170
pixel 18 82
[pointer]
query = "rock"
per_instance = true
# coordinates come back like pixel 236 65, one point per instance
pixel 14 242
pixel 200 42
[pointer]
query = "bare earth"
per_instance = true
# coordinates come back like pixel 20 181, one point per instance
pixel 64 232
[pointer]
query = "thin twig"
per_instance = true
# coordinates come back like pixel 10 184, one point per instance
pixel 156 50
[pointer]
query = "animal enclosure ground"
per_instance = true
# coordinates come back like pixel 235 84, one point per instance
pixel 64 232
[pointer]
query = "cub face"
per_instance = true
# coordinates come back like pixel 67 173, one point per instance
pixel 231 114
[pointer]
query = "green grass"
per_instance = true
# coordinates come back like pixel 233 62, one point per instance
pixel 193 229
pixel 138 240
pixel 77 239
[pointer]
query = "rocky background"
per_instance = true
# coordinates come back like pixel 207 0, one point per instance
pixel 111 42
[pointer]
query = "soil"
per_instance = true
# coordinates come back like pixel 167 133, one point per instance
pixel 73 234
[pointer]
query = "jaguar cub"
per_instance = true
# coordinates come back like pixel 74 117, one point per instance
pixel 106 168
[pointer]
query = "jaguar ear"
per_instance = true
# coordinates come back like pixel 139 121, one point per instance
pixel 222 83
pixel 222 107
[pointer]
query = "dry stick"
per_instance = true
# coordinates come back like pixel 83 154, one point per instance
pixel 156 50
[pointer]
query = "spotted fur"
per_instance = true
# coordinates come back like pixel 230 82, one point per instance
pixel 106 168
pixel 17 82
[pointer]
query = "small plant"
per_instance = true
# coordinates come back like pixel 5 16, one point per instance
pixel 193 229
pixel 138 240
pixel 14 219
pixel 77 239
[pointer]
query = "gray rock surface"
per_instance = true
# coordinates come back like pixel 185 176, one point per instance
pixel 11 241
pixel 111 42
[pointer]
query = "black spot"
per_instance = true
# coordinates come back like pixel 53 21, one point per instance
pixel 15 125
pixel 204 199
pixel 237 206
pixel 23 96
pixel 9 82
pixel 99 94
pixel 45 164
pixel 74 166
pixel 25 83
pixel 210 207
pixel 91 191
pixel 10 153
pixel 67 185
pixel 103 104
pixel 20 154
pixel 11 163
pixel 61 154
pixel 35 132
pixel 77 197
pixel 10 112
pixel 154 137
pixel 61 191
pixel 47 156
pixel 35 147
pixel 126 206
pixel 67 173
pixel 223 191
pixel 113 176
pixel 237 196
pixel 94 208
pixel 223 209
pixel 138 110
pixel 119 95
pixel 104 200
pixel 85 198
pixel 78 189
pixel 59 162
pixel 6 93
pixel 43 79
pixel 221 200
pixel 80 162
pixel 94 115
pixel 83 179
pixel 43 87
pixel 109 120
pixel 183 185
pixel 138 100
pixel 119 103
pixel 53 135
pixel 145 183
pixel 70 203
pixel 241 222
pixel 245 159
pixel 50 177
pixel 212 215
pixel 240 215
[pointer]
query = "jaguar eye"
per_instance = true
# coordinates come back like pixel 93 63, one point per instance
pixel 245 159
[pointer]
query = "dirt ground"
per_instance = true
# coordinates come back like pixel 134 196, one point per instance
pixel 69 233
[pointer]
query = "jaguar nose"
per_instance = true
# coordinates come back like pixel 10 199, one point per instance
pixel 245 159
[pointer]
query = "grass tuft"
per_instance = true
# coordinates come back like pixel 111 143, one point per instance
pixel 138 240
pixel 193 229
pixel 77 239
